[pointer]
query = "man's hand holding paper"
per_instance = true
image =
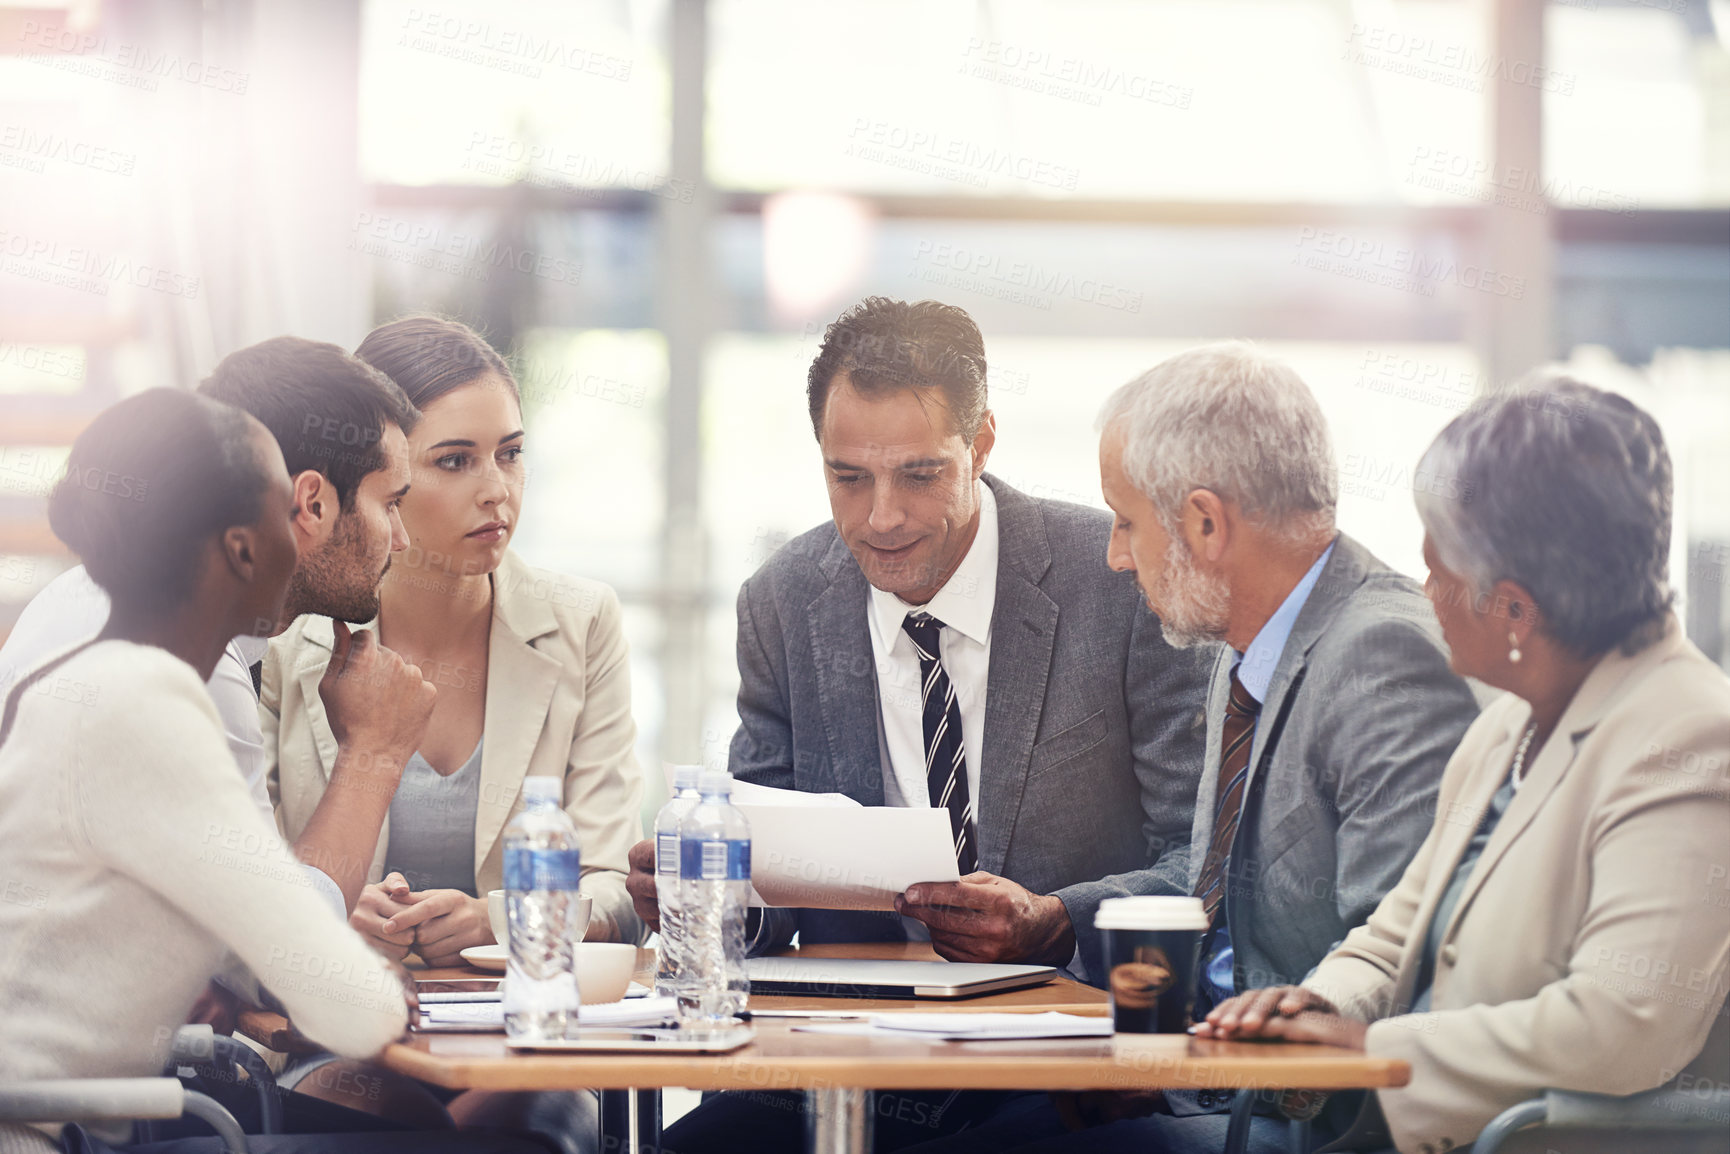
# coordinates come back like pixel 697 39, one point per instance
pixel 985 918
pixel 849 857
pixel 824 851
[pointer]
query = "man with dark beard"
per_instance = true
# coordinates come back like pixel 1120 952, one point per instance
pixel 341 426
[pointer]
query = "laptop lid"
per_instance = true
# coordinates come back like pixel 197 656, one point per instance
pixel 871 978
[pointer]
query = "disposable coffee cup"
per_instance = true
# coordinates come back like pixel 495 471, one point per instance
pixel 1151 947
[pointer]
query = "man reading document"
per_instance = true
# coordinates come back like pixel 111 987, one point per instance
pixel 948 641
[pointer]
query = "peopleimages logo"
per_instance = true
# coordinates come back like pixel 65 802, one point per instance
pixel 1375 261
pixel 1016 281
pixel 86 269
pixel 460 254
pixel 549 166
pixel 1454 65
pixel 41 147
pixel 512 50
pixel 919 149
pixel 1069 78
pixel 140 66
pixel 59 362
pixel 1509 186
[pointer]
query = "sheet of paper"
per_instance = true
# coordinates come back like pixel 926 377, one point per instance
pixel 482 1016
pixel 850 857
pixel 745 794
pixel 634 1012
pixel 476 1015
pixel 826 851
pixel 969 1027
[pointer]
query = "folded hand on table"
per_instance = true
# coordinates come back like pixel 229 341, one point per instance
pixel 985 918
pixel 1283 1013
pixel 379 902
pixel 442 924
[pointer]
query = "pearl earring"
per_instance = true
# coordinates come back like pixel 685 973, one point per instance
pixel 1513 648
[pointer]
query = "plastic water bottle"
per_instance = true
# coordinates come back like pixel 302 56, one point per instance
pixel 542 866
pixel 714 892
pixel 683 801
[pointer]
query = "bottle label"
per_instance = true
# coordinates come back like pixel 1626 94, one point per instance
pixel 542 869
pixel 716 860
pixel 667 855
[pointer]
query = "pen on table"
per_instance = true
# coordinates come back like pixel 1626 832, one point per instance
pixel 827 1015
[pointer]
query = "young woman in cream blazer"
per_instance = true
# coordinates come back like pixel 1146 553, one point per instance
pixel 531 667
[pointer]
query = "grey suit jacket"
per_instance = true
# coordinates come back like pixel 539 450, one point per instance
pixel 1360 719
pixel 1093 734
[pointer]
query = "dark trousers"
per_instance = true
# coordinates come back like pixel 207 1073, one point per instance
pixel 772 1121
pixel 309 1125
pixel 1031 1125
pixel 76 1141
pixel 301 1114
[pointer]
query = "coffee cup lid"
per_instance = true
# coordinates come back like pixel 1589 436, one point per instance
pixel 1150 913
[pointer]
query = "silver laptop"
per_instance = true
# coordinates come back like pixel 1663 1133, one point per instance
pixel 868 978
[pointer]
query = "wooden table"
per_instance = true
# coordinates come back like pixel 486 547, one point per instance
pixel 838 1073
pixel 1064 994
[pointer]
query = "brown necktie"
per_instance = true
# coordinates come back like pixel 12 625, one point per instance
pixel 1236 738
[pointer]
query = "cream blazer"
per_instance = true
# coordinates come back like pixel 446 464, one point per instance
pixel 1590 948
pixel 558 704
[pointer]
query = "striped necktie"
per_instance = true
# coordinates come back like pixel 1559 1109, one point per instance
pixel 1236 738
pixel 945 755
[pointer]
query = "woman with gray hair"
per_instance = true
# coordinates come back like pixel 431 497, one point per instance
pixel 1566 924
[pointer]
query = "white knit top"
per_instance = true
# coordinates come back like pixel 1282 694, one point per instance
pixel 131 858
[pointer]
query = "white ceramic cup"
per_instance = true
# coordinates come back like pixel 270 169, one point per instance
pixel 604 970
pixel 498 919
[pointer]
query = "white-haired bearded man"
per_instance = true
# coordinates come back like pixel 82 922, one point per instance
pixel 1331 714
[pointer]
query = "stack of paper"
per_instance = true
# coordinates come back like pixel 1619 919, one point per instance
pixel 650 1011
pixel 477 1016
pixel 482 1016
pixel 970 1027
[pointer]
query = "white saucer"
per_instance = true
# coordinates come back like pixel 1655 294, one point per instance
pixel 494 957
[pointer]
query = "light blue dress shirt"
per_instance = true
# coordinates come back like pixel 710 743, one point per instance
pixel 1255 673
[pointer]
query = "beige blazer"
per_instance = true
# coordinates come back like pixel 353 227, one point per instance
pixel 558 704
pixel 1590 948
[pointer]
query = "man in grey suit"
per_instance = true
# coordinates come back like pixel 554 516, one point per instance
pixel 951 642
pixel 1331 715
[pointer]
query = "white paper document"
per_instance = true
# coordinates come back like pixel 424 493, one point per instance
pixel 849 857
pixel 969 1027
pixel 747 795
pixel 486 1016
pixel 825 851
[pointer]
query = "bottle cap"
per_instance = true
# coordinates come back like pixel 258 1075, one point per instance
pixel 541 788
pixel 1150 913
pixel 715 783
pixel 685 777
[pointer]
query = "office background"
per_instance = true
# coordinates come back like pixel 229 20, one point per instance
pixel 654 206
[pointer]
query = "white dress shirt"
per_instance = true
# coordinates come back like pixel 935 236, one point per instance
pixel 964 605
pixel 72 609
